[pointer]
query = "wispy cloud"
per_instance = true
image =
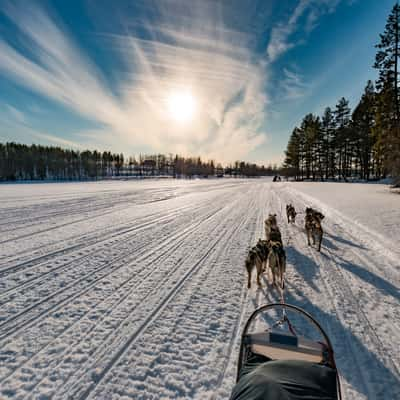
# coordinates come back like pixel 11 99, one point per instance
pixel 15 121
pixel 293 85
pixel 305 16
pixel 211 61
pixel 15 113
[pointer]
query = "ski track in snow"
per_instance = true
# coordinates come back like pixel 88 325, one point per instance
pixel 137 290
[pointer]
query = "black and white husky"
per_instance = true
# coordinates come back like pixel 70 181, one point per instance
pixel 277 263
pixel 257 257
pixel 313 226
pixel 291 214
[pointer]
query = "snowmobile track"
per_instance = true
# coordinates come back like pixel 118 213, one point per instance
pixel 176 241
pixel 70 296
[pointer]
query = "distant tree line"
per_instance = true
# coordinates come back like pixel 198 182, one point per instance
pixel 177 166
pixel 35 162
pixel 23 162
pixel 363 143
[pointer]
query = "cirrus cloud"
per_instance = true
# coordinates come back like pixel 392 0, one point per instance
pixel 211 61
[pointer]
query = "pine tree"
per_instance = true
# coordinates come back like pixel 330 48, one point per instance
pixel 292 159
pixel 311 128
pixel 328 132
pixel 363 123
pixel 386 146
pixel 386 60
pixel 341 139
pixel 388 110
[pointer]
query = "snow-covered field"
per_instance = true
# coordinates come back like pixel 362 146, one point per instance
pixel 136 290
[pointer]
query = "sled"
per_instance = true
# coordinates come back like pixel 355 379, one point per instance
pixel 285 354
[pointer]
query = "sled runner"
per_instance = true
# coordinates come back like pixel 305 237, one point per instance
pixel 285 355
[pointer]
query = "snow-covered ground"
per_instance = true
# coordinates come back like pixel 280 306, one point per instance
pixel 136 290
pixel 373 208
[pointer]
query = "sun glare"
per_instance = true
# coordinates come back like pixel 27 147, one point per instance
pixel 181 106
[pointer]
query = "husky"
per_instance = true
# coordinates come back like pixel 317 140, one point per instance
pixel 277 263
pixel 272 231
pixel 291 214
pixel 257 256
pixel 313 226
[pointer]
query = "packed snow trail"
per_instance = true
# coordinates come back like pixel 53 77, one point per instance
pixel 138 289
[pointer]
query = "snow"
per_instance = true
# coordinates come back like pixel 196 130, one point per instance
pixel 374 208
pixel 137 289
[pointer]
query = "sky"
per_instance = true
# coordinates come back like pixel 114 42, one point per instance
pixel 221 79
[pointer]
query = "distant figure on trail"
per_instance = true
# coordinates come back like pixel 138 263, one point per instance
pixel 277 178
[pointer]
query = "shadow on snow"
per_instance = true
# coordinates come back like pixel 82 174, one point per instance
pixel 383 380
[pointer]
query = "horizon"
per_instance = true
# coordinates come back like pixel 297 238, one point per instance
pixel 211 80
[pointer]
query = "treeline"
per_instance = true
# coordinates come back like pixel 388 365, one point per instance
pixel 23 162
pixel 35 162
pixel 363 143
pixel 338 145
pixel 177 166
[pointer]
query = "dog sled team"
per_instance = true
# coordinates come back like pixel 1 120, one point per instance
pixel 268 255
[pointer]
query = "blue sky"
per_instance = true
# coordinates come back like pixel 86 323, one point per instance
pixel 224 79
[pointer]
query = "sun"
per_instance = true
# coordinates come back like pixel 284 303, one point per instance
pixel 181 106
